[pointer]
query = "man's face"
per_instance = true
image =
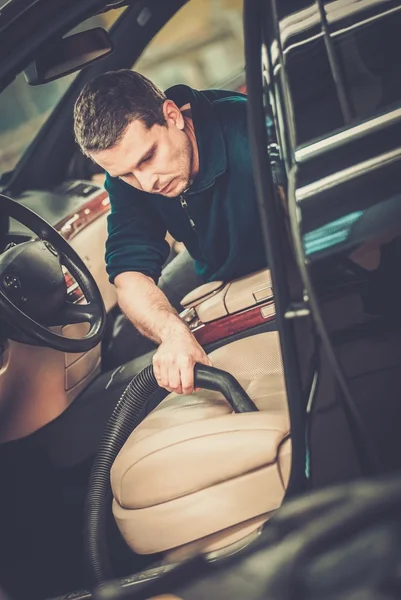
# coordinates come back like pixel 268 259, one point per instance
pixel 158 160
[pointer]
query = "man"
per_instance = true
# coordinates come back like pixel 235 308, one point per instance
pixel 180 162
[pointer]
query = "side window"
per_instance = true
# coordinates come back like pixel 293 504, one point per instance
pixel 24 108
pixel 368 44
pixel 201 46
pixel 341 61
pixel 315 107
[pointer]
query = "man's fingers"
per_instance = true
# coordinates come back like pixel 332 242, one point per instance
pixel 156 369
pixel 174 361
pixel 167 373
pixel 205 361
pixel 175 378
pixel 187 378
pixel 164 380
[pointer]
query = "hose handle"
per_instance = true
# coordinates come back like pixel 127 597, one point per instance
pixel 217 380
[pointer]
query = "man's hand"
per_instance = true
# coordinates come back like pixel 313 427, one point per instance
pixel 174 361
pixel 152 314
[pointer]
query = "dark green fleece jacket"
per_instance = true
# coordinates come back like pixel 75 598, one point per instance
pixel 220 224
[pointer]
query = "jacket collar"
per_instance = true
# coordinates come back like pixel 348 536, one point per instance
pixel 209 136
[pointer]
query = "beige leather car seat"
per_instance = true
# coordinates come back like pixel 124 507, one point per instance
pixel 195 474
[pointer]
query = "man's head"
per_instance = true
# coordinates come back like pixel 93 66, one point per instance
pixel 124 123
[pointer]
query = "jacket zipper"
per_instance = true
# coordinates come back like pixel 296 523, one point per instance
pixel 185 207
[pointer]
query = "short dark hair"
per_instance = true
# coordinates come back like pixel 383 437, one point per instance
pixel 109 103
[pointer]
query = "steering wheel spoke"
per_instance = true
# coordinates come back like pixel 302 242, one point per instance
pixel 75 313
pixel 32 299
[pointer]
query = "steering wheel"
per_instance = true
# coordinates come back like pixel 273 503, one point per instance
pixel 33 290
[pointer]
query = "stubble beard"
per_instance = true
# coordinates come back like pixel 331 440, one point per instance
pixel 185 166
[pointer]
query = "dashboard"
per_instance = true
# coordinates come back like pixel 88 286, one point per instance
pixel 71 209
pixel 68 207
pixel 37 383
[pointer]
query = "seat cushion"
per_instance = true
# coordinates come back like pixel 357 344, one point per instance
pixel 193 467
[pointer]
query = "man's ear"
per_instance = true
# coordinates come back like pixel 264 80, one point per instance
pixel 172 114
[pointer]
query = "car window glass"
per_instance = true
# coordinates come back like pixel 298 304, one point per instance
pixel 201 46
pixel 368 45
pixel 341 64
pixel 24 109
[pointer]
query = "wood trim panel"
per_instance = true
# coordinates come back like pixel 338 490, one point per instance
pixel 71 225
pixel 206 333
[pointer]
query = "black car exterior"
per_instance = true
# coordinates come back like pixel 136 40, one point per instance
pixel 331 83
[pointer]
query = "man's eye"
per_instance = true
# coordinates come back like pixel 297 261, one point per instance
pixel 148 157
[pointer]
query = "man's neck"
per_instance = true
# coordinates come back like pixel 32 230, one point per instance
pixel 190 131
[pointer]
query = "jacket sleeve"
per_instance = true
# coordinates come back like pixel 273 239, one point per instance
pixel 136 233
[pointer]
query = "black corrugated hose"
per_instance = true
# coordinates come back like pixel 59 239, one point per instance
pixel 127 414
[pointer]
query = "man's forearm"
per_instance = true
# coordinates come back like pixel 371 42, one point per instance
pixel 151 313
pixel 147 307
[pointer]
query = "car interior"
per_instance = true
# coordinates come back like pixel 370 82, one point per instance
pixel 59 383
pixel 317 359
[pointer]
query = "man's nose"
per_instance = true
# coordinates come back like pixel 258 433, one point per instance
pixel 148 181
